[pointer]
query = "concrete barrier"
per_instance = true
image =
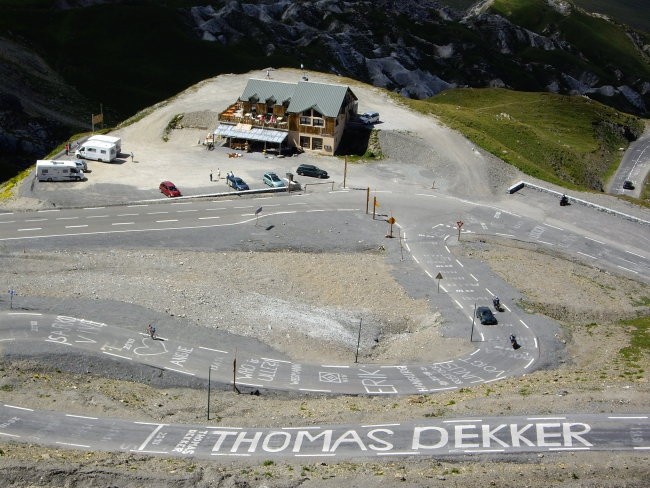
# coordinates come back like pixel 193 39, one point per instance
pixel 518 186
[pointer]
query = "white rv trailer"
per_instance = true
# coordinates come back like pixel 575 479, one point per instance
pixel 110 139
pixel 97 150
pixel 48 170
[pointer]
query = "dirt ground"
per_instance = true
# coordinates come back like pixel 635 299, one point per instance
pixel 593 377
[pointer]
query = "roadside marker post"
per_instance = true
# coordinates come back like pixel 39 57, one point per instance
pixel 356 357
pixel 471 336
pixel 11 298
pixel 257 213
pixel 391 220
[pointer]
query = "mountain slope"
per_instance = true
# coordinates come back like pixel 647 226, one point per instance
pixel 127 55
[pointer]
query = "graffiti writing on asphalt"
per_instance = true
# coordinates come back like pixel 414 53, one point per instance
pixel 69 330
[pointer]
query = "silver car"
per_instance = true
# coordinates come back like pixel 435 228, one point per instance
pixel 273 180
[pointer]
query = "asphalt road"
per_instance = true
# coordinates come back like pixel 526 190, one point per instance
pixel 493 436
pixel 634 167
pixel 427 229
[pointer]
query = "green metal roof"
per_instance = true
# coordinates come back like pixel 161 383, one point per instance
pixel 264 90
pixel 325 98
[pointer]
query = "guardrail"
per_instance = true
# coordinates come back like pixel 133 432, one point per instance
pixel 518 186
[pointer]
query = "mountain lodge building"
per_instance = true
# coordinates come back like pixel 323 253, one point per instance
pixel 305 115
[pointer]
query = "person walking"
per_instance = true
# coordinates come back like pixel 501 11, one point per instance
pixel 218 174
pixel 210 175
pixel 67 148
pixel 152 331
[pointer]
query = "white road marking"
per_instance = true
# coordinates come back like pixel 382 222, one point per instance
pixel 635 254
pixel 188 210
pixel 443 288
pixel 93 208
pixel 215 350
pixel 80 416
pixel 504 235
pixel 19 408
pixel 536 343
pixel 627 269
pixel 546 242
pixel 75 226
pixel 529 363
pixel 8 340
pixel 621 417
pixel 458 303
pixel 416 259
pixel 96 216
pixel 137 205
pixel 123 223
pixel 297 203
pixel 65 218
pixel 425 195
pixel 474 352
pixel 276 360
pixel 8 222
pixel 379 425
pixel 116 355
pixel 590 239
pixel 163 221
pixel 447 249
pixel 428 274
pixel 553 227
pixel 506 307
pixel 587 255
pixel 249 384
pixel 182 203
pixel 127 214
pixel 156 213
pixel 315 455
pixel 333 366
pixel 475 278
pixel 461 421
pixel 524 324
pixel 32 228
pixel 151 436
pixel 45 211
pixel 315 390
pixel 9 435
pixel 461 264
pixel 207 218
pixel 72 445
pixel 180 371
pixel 488 290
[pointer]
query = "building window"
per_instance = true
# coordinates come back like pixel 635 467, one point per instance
pixel 318 122
pixel 317 143
pixel 305 120
pixel 304 142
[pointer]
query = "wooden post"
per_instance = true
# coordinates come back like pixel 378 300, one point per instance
pixel 367 199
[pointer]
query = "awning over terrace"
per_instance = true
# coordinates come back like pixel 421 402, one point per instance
pixel 247 131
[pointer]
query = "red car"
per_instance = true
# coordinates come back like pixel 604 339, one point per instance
pixel 169 189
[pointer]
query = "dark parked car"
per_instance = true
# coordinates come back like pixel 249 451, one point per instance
pixel 169 189
pixel 236 182
pixel 485 315
pixel 311 170
pixel 628 185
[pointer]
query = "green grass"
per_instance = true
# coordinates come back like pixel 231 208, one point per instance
pixel 639 347
pixel 599 40
pixel 570 141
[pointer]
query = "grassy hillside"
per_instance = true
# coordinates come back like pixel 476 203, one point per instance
pixel 598 40
pixel 569 141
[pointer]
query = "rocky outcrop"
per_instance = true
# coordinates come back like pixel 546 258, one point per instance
pixel 415 47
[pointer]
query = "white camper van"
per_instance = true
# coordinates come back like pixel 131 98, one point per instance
pixel 47 170
pixel 110 139
pixel 97 150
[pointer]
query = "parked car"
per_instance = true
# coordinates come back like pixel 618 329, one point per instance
pixel 485 315
pixel 236 182
pixel 311 170
pixel 369 117
pixel 273 180
pixel 628 185
pixel 169 189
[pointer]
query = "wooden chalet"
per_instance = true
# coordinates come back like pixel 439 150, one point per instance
pixel 277 115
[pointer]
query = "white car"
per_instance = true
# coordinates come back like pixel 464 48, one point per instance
pixel 369 117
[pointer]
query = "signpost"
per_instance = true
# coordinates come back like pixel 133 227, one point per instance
pixel 439 277
pixel 460 225
pixel 391 221
pixel 257 213
pixel 11 298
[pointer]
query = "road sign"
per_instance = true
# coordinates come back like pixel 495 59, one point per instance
pixel 439 277
pixel 391 220
pixel 258 211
